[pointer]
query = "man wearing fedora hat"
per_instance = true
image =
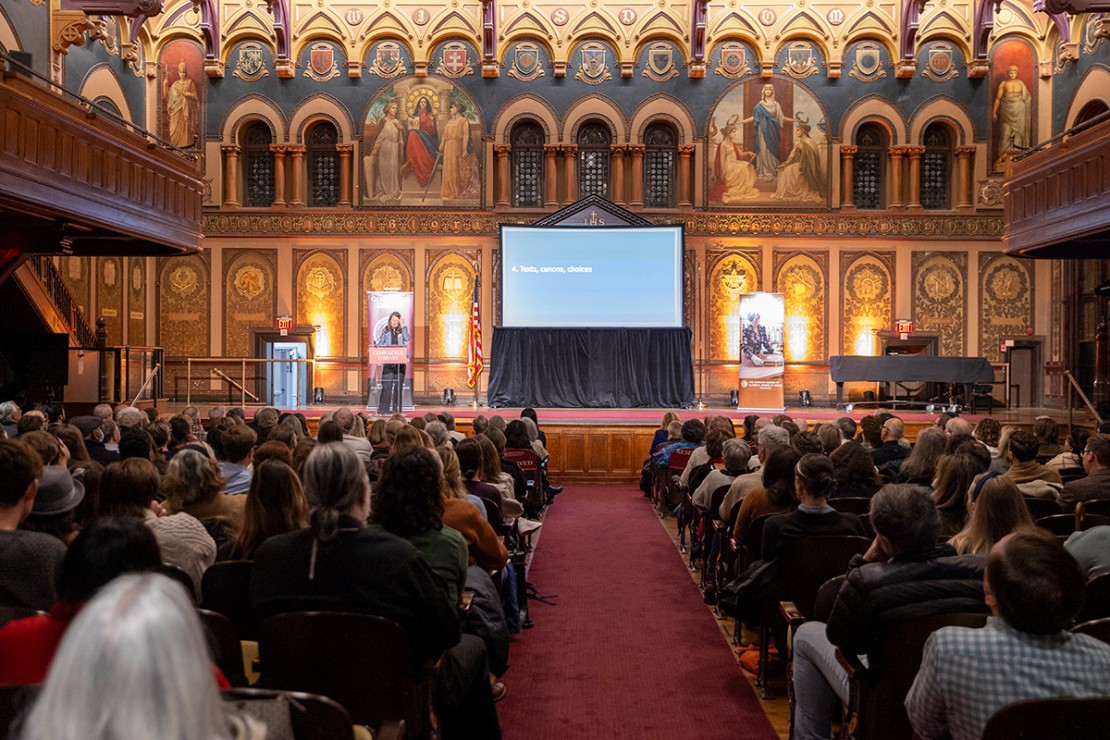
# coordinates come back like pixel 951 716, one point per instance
pixel 58 495
pixel 29 561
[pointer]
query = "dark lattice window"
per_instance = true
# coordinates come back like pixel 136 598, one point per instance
pixel 936 168
pixel 660 168
pixel 867 166
pixel 323 165
pixel 258 166
pixel 593 160
pixel 527 183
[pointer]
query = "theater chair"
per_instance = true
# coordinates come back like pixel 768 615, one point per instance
pixel 876 694
pixel 1097 628
pixel 716 536
pixel 225 588
pixel 1041 507
pixel 224 646
pixel 302 716
pixel 1096 602
pixel 1060 719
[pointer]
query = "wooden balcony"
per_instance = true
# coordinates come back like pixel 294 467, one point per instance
pixel 1058 197
pixel 73 180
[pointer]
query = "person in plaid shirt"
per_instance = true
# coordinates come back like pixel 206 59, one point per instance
pixel 1034 589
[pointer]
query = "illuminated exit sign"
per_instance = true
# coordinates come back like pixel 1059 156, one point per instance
pixel 903 327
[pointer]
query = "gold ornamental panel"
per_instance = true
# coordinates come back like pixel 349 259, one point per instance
pixel 867 300
pixel 249 297
pixel 1005 302
pixel 801 278
pixel 383 271
pixel 449 294
pixel 940 299
pixel 183 317
pixel 321 301
pixel 109 299
pixel 136 301
pixel 75 274
pixel 732 274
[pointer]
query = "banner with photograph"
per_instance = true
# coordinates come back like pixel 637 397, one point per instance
pixel 762 320
pixel 389 356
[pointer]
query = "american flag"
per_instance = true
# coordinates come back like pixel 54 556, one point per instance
pixel 474 341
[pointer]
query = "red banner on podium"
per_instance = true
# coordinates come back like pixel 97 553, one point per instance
pixel 395 354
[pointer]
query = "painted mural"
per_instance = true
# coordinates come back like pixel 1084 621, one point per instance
pixel 768 146
pixel 422 139
pixel 182 105
pixel 1012 103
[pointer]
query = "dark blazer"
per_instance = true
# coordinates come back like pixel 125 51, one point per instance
pixel 1094 486
pixel 782 529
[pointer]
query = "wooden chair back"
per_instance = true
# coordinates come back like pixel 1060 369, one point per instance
pixel 224 646
pixel 177 574
pixel 877 693
pixel 1041 507
pixel 1097 628
pixel 1096 604
pixel 312 717
pixel 808 562
pixel 1067 475
pixel 1088 521
pixel 225 588
pixel 1060 524
pixel 716 500
pixel 1060 719
pixel 359 660
pixel 1099 506
pixel 753 541
pixel 851 504
pixel 676 463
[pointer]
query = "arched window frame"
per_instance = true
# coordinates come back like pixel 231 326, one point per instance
pixel 869 166
pixel 594 151
pixel 660 165
pixel 527 140
pixel 257 160
pixel 322 161
pixel 935 178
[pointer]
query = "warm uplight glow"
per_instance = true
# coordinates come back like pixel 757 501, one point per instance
pixel 732 332
pixel 865 339
pixel 323 336
pixel 454 335
pixel 797 338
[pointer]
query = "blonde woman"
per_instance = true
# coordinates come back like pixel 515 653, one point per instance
pixel 995 508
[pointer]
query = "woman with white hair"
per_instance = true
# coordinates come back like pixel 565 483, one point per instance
pixel 134 663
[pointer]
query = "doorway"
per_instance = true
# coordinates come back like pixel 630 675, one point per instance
pixel 288 382
pixel 1025 387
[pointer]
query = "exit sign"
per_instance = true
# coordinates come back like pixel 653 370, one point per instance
pixel 903 327
pixel 284 325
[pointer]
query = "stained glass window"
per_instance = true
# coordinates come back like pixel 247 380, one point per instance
pixel 593 160
pixel 527 161
pixel 867 166
pixel 323 165
pixel 660 166
pixel 258 166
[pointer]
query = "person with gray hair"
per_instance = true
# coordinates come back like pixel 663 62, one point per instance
pixel 768 438
pixel 9 416
pixel 904 575
pixel 130 417
pixel 360 445
pixel 449 421
pixel 134 663
pixel 480 424
pixel 437 430
pixel 103 411
pixel 216 412
pixel 498 422
pixel 735 454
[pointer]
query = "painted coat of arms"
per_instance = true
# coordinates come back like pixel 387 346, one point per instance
pixel 734 62
pixel 868 65
pixel 941 65
pixel 322 65
pixel 454 61
pixel 593 68
pixel 801 60
pixel 250 65
pixel 388 62
pixel 527 63
pixel 661 65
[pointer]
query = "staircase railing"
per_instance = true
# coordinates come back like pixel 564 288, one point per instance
pixel 64 301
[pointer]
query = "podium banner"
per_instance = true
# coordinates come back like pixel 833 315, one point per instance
pixel 762 370
pixel 389 354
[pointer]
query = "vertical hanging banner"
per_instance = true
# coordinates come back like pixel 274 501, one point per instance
pixel 389 356
pixel 762 317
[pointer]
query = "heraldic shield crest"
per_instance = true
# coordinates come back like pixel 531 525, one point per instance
pixel 387 62
pixel 801 61
pixel 941 65
pixel 593 67
pixel 661 65
pixel 868 63
pixel 321 63
pixel 527 64
pixel 733 63
pixel 454 61
pixel 250 65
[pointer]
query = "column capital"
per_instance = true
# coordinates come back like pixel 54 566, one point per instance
pixel 230 148
pixel 551 149
pixel 636 151
pixel 965 151
pixel 279 149
pixel 502 150
pixel 297 150
pixel 849 151
pixel 618 150
pixel 345 150
pixel 897 152
pixel 570 150
pixel 915 152
pixel 686 150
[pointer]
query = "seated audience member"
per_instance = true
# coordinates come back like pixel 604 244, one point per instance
pixel 129 488
pixel 891 453
pixel 100 553
pixel 356 442
pixel 530 413
pixel 777 494
pixel 1072 456
pixel 54 510
pixel 437 430
pixel 693 434
pixel 497 421
pixel 469 452
pixel 805 443
pixel 1034 590
pixel 871 432
pixel 813 483
pixel 941 422
pixel 958 427
pixel 193 484
pixel 988 431
pixel 265 419
pixel 235 467
pixel 92 432
pixel 480 423
pixel 1091 548
pixel 538 446
pixel 466 514
pixel 131 418
pixel 74 441
pixel 276 505
pixel 955 474
pixel 703 459
pixel 920 466
pixel 301 453
pixel 735 455
pixel 272 449
pixel 134 663
pixel 1096 484
pixel 10 414
pixel 46 446
pixel 181 434
pixel 1047 432
pixel 905 574
pixel 1001 463
pixel 847 427
pixel 1032 478
pixel 532 507
pixel 456 436
pixel 662 434
pixel 995 508
pixel 340 564
pixel 237 414
pixel 492 474
pixel 32 421
pixel 329 431
pixel 829 436
pixel 768 439
pixel 28 560
pixel 855 471
pixel 137 443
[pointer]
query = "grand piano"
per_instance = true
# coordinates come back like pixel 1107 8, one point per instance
pixel 909 368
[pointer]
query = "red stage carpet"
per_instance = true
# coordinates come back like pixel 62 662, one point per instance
pixel 629 651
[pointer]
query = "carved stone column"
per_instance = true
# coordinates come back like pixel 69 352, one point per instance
pixel 570 172
pixel 895 200
pixel 551 177
pixel 279 174
pixel 231 175
pixel 637 176
pixel 847 153
pixel 685 156
pixel 345 151
pixel 299 177
pixel 963 176
pixel 503 153
pixel 915 153
pixel 618 175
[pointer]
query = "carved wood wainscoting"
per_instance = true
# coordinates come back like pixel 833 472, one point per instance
pixel 586 452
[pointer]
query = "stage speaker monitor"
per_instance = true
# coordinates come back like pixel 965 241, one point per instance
pixel 37 358
pixel 448 396
pixel 734 398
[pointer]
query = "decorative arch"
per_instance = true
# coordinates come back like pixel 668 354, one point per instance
pixel 948 110
pixel 450 276
pixel 525 105
pixel 867 299
pixel 873 108
pixel 321 297
pixel 250 298
pixel 961 44
pixel 801 278
pixel 383 270
pixel 253 107
pixel 102 82
pixel 663 108
pixel 731 273
pixel 806 34
pixel 592 107
pixel 868 25
pixel 9 39
pixel 321 107
pixel 1092 88
pixel 387 27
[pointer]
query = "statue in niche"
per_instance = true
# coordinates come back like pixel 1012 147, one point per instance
pixel 1013 108
pixel 181 106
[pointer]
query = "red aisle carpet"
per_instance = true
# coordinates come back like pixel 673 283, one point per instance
pixel 629 651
